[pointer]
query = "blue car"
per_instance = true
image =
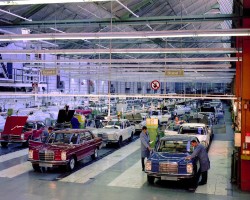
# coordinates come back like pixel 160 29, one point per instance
pixel 168 161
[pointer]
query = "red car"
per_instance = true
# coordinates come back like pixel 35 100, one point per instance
pixel 64 148
pixel 18 130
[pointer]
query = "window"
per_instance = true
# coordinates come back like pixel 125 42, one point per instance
pixel 40 125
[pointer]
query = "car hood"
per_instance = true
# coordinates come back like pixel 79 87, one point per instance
pixel 14 125
pixel 65 117
pixel 54 147
pixel 168 157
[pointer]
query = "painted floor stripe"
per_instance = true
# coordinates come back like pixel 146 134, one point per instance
pixel 16 170
pixel 219 173
pixel 131 178
pixel 13 155
pixel 90 171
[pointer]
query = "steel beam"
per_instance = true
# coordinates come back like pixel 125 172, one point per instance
pixel 156 60
pixel 127 51
pixel 115 21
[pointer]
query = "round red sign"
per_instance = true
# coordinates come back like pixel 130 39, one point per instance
pixel 155 85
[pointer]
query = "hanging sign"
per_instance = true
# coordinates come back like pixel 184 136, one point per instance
pixel 174 72
pixel 155 85
pixel 49 72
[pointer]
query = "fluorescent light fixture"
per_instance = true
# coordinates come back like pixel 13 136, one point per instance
pixel 136 66
pixel 33 2
pixel 127 35
pixel 15 15
pixel 126 51
pixel 156 60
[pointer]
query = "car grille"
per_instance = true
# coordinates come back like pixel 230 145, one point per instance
pixel 46 155
pixel 170 168
pixel 14 137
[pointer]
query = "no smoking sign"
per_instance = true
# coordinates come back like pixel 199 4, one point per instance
pixel 155 85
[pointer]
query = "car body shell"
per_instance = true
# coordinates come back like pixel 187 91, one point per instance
pixel 199 130
pixel 111 133
pixel 49 154
pixel 18 130
pixel 171 165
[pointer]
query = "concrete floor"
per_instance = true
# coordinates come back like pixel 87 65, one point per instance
pixel 118 176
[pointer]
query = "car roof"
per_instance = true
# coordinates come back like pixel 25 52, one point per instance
pixel 193 125
pixel 182 137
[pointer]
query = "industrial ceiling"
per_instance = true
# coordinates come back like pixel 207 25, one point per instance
pixel 126 40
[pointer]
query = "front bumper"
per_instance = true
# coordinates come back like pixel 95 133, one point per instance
pixel 12 141
pixel 169 176
pixel 43 163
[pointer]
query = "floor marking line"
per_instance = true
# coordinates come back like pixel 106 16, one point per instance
pixel 13 155
pixel 85 174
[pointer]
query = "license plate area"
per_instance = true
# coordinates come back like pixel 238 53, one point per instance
pixel 45 165
pixel 168 178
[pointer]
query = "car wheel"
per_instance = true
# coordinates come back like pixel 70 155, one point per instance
pixel 119 143
pixel 151 179
pixel 95 155
pixel 36 167
pixel 71 164
pixel 4 144
pixel 131 137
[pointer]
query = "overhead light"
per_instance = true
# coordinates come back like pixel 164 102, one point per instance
pixel 164 96
pixel 15 15
pixel 156 60
pixel 128 35
pixel 33 2
pixel 125 51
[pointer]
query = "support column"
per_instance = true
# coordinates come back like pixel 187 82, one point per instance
pixel 244 92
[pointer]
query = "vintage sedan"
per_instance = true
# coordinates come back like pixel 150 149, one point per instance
pixel 116 131
pixel 200 130
pixel 64 148
pixel 168 161
pixel 18 130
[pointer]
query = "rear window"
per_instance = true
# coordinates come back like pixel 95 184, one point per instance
pixel 192 130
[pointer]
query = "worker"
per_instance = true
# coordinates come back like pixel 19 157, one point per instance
pixel 145 146
pixel 75 122
pixel 45 134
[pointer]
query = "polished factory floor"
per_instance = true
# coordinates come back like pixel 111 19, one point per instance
pixel 118 176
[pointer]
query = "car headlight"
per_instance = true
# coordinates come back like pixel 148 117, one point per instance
pixel 116 136
pixel 63 155
pixel 30 154
pixel 148 165
pixel 189 168
pixel 22 136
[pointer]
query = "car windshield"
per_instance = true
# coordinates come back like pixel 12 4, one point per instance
pixel 175 146
pixel 115 123
pixel 191 130
pixel 62 138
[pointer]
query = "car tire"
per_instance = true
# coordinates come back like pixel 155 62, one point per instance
pixel 36 167
pixel 131 137
pixel 95 155
pixel 119 143
pixel 4 144
pixel 151 179
pixel 71 164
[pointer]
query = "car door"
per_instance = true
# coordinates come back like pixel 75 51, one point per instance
pixel 83 145
pixel 130 128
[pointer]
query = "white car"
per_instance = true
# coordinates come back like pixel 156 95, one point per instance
pixel 116 131
pixel 163 118
pixel 201 131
